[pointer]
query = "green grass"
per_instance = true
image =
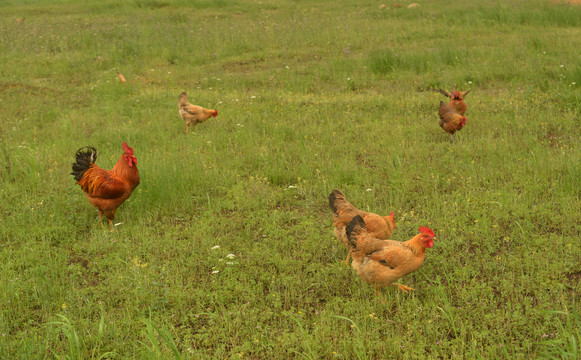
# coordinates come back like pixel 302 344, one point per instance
pixel 312 96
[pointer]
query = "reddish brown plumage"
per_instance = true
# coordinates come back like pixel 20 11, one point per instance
pixel 450 120
pixel 380 227
pixel 106 189
pixel 193 114
pixel 457 100
pixel 381 262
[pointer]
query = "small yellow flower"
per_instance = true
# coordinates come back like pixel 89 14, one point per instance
pixel 64 306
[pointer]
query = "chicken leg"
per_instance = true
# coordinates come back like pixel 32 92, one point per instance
pixel 403 287
pixel 346 261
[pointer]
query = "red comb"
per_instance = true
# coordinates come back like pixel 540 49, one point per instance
pixel 426 230
pixel 127 149
pixel 392 214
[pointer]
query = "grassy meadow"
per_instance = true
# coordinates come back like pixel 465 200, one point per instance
pixel 226 248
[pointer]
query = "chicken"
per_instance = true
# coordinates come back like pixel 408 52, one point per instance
pixel 106 189
pixel 380 227
pixel 381 262
pixel 457 100
pixel 450 120
pixel 193 114
pixel 120 77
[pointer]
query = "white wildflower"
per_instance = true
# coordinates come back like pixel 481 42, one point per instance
pixel 230 256
pixel 215 271
pixel 215 247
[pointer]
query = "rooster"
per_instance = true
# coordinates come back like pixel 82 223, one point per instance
pixel 381 262
pixel 380 227
pixel 193 114
pixel 450 120
pixel 457 100
pixel 106 189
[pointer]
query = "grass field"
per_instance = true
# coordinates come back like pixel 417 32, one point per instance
pixel 226 248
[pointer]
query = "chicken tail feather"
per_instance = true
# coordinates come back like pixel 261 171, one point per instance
pixel 355 226
pixel 84 158
pixel 334 198
pixel 445 93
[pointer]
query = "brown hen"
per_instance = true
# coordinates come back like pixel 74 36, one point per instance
pixel 193 114
pixel 381 262
pixel 380 227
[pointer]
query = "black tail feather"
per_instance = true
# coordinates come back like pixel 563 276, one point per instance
pixel 444 92
pixel 356 221
pixel 84 157
pixel 333 197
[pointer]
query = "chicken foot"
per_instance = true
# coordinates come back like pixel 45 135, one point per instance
pixel 403 287
pixel 346 261
pixel 101 221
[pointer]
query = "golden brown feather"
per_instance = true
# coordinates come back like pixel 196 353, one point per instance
pixel 450 120
pixel 381 262
pixel 193 114
pixel 380 227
